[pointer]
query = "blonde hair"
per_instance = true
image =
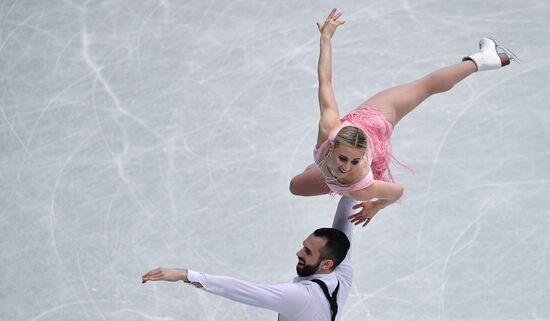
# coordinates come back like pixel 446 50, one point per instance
pixel 351 136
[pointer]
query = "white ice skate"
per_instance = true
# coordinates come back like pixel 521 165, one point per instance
pixel 489 57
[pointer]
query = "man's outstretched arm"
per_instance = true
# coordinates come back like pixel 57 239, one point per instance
pixel 288 298
pixel 342 222
pixel 343 211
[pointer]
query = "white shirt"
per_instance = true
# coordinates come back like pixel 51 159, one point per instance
pixel 301 300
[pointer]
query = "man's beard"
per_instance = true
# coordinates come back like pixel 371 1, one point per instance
pixel 307 270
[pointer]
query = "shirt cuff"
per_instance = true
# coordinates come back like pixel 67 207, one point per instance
pixel 193 276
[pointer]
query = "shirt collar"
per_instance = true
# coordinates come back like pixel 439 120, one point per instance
pixel 325 277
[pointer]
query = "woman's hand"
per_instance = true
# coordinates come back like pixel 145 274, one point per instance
pixel 368 210
pixel 328 28
pixel 384 193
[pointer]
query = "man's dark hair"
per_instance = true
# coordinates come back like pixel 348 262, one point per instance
pixel 337 245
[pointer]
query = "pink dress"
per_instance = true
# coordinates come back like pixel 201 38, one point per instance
pixel 378 154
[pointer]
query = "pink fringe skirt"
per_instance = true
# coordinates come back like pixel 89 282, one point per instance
pixel 378 130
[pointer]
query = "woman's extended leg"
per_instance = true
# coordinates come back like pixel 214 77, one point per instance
pixel 396 102
pixel 309 183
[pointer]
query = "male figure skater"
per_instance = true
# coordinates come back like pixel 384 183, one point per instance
pixel 318 292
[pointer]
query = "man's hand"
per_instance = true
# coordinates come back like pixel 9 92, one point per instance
pixel 331 23
pixel 164 274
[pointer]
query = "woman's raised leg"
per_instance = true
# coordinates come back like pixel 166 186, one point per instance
pixel 396 102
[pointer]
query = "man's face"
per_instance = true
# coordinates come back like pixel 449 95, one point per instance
pixel 309 255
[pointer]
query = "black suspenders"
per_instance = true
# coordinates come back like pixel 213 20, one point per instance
pixel 331 299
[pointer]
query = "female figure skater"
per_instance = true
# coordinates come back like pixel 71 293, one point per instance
pixel 352 154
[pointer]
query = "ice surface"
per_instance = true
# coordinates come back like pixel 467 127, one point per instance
pixel 137 134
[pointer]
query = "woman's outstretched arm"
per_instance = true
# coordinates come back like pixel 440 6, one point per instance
pixel 330 117
pixel 383 193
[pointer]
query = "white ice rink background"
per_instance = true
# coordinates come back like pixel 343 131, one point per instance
pixel 136 134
